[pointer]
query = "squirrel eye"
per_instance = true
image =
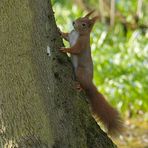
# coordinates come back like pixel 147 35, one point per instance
pixel 83 24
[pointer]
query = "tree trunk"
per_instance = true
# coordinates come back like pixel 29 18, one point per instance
pixel 39 106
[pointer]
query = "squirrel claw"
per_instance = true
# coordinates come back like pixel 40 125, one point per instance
pixel 62 49
pixel 78 87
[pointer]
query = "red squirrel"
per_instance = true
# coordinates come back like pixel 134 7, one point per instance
pixel 80 52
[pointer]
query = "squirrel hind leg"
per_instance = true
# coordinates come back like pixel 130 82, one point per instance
pixel 79 87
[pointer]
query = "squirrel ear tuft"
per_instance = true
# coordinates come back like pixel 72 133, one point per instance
pixel 94 19
pixel 87 15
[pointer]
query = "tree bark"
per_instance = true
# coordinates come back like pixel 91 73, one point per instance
pixel 39 106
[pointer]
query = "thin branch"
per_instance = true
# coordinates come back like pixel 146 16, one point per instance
pixel 112 12
pixel 139 8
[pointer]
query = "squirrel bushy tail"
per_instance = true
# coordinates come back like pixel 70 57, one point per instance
pixel 103 111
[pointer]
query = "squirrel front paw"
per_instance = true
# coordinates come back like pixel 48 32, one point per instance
pixel 63 49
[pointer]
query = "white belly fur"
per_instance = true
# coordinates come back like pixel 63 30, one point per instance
pixel 73 36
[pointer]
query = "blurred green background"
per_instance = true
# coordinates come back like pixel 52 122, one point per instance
pixel 119 50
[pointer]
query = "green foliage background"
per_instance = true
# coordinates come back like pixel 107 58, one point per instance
pixel 120 62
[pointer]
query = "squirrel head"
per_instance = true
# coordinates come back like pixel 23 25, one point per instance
pixel 84 25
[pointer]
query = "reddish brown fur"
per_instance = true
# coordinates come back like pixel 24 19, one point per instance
pixel 103 111
pixel 84 74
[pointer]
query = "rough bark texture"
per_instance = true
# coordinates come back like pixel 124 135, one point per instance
pixel 39 106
